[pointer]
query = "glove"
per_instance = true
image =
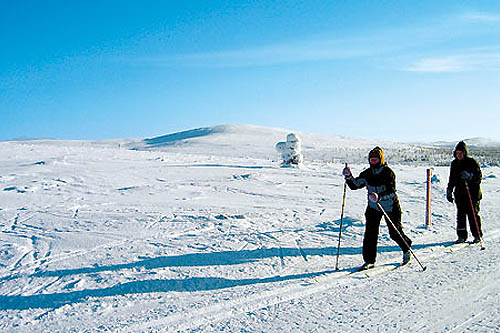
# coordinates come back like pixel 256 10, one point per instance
pixel 373 196
pixel 466 175
pixel 347 172
pixel 449 195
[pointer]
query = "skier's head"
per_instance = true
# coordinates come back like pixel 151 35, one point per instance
pixel 376 157
pixel 460 151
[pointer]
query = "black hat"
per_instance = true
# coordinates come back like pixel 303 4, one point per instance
pixel 462 147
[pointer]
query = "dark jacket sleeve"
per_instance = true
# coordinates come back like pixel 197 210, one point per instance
pixel 355 183
pixel 389 181
pixel 477 175
pixel 383 183
pixel 452 181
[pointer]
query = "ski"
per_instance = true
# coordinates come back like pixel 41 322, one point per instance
pixel 458 246
pixel 365 267
pixel 378 269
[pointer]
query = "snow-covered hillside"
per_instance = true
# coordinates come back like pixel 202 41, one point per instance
pixel 256 142
pixel 477 142
pixel 203 231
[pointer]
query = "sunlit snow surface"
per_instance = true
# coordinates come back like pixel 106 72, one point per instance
pixel 203 231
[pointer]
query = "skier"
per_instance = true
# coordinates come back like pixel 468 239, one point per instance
pixel 465 169
pixel 380 179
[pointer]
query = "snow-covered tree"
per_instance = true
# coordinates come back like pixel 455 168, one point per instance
pixel 291 150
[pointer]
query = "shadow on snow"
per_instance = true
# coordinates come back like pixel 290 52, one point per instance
pixel 19 302
pixel 139 287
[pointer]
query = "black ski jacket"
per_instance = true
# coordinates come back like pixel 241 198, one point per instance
pixel 457 184
pixel 380 180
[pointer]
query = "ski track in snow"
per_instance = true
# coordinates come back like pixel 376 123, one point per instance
pixel 94 237
pixel 324 282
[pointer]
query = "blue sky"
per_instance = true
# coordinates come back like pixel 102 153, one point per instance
pixel 398 70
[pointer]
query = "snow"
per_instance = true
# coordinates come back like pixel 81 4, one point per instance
pixel 471 142
pixel 202 231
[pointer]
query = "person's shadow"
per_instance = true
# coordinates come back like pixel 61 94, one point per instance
pixel 54 300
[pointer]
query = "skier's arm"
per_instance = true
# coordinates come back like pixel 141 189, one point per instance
pixel 451 183
pixel 476 174
pixel 355 183
pixel 390 186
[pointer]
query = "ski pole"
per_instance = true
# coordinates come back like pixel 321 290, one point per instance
pixel 373 197
pixel 341 219
pixel 474 215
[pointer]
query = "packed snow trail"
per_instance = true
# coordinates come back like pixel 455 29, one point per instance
pixel 418 288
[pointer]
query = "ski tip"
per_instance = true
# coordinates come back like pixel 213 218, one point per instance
pixel 424 268
pixel 483 248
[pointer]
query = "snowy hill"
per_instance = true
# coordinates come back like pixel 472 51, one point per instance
pixel 258 142
pixel 229 140
pixel 475 143
pixel 203 231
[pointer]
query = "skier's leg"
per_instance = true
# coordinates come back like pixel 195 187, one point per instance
pixel 472 224
pixel 461 219
pixel 398 235
pixel 370 239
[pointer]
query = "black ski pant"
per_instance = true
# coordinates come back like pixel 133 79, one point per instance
pixel 373 218
pixel 464 212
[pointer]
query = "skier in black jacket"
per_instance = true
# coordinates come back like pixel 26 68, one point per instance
pixel 380 179
pixel 465 169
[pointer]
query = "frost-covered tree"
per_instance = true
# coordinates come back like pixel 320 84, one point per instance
pixel 291 150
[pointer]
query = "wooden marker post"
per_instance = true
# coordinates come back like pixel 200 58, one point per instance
pixel 428 202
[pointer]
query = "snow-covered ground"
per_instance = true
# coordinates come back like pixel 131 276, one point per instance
pixel 203 231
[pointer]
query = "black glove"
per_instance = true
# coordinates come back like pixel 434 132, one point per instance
pixel 466 175
pixel 347 172
pixel 449 195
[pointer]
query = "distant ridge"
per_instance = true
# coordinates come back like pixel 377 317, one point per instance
pixel 21 139
pixel 477 142
pixel 250 141
pixel 259 142
pixel 181 136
